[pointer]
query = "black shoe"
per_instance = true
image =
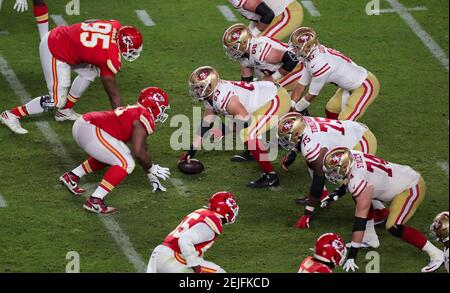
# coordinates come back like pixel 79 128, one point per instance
pixel 266 180
pixel 245 156
pixel 302 200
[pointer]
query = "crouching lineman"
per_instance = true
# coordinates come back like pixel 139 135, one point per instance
pixel 255 105
pixel 358 88
pixel 368 177
pixel 183 249
pixel 439 230
pixel 313 137
pixel 329 252
pixel 103 135
pixel 88 48
pixel 271 18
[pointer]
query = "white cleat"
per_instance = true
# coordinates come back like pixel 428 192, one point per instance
pixel 435 263
pixel 66 114
pixel 13 123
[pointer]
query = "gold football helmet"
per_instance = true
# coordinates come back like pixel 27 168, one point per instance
pixel 236 40
pixel 304 40
pixel 337 164
pixel 203 82
pixel 439 227
pixel 290 129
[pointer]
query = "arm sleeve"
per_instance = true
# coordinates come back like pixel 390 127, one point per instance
pixel 267 14
pixel 199 233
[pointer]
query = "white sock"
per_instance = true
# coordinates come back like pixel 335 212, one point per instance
pixel 34 106
pixel 370 228
pixel 43 29
pixel 100 193
pixel 79 86
pixel 79 171
pixel 431 249
pixel 378 205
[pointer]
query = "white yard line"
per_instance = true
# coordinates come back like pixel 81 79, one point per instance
pixel 1 2
pixel 309 5
pixel 426 39
pixel 111 225
pixel 58 19
pixel 227 13
pixel 4 33
pixel 145 18
pixel 3 203
pixel 391 10
pixel 443 166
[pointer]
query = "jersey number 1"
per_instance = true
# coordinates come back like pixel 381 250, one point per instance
pixel 95 32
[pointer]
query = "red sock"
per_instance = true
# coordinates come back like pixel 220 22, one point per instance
pixel 260 154
pixel 20 111
pixel 41 13
pixel 91 165
pixel 331 115
pixel 113 177
pixel 70 102
pixel 414 237
pixel 370 214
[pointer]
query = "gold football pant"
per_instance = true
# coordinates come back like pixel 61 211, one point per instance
pixel 286 23
pixel 405 204
pixel 289 81
pixel 267 116
pixel 368 143
pixel 358 102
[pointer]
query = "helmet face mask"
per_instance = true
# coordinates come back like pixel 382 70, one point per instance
pixel 291 127
pixel 337 164
pixel 203 83
pixel 236 41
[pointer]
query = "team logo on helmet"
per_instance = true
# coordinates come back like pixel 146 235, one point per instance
pixel 127 40
pixel 288 126
pixel 337 244
pixel 235 35
pixel 336 159
pixel 203 75
pixel 304 38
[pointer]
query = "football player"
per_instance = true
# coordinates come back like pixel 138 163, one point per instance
pixel 439 231
pixel 103 135
pixel 40 11
pixel 183 249
pixel 329 252
pixel 271 18
pixel 89 49
pixel 256 106
pixel 270 59
pixel 313 137
pixel 358 88
pixel 369 177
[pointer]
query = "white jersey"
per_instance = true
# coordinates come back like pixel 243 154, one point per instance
pixel 260 48
pixel 326 133
pixel 252 95
pixel 446 258
pixel 388 179
pixel 277 6
pixel 326 65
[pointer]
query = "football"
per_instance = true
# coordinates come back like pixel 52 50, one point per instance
pixel 190 167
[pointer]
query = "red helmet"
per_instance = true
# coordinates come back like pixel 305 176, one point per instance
pixel 330 247
pixel 224 204
pixel 156 101
pixel 129 40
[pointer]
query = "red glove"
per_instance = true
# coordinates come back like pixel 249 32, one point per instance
pixel 303 222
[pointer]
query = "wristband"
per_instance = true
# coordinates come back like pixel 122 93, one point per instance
pixel 302 105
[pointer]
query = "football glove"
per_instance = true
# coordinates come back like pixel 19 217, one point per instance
pixel 288 160
pixel 303 222
pixel 161 172
pixel 350 265
pixel 334 196
pixel 155 183
pixel 21 5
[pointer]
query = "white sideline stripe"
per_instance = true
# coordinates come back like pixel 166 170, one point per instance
pixel 227 13
pixel 443 166
pixel 3 203
pixel 426 39
pixel 58 19
pixel 309 5
pixel 145 18
pixel 111 225
pixel 390 10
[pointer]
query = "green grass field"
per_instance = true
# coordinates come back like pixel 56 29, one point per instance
pixel 42 221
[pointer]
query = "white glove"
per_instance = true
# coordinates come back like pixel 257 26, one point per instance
pixel 161 172
pixel 21 5
pixel 350 265
pixel 155 183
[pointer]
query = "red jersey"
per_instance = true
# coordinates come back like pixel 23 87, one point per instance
pixel 92 43
pixel 199 216
pixel 311 265
pixel 119 122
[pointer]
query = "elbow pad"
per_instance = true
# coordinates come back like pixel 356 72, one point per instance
pixel 290 61
pixel 267 14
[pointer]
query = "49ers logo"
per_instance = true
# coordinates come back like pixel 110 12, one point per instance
pixel 203 75
pixel 336 159
pixel 304 38
pixel 235 35
pixel 287 126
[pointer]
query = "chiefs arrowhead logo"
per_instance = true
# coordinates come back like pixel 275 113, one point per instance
pixel 127 40
pixel 337 244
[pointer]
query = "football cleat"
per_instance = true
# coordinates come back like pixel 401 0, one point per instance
pixel 12 122
pixel 266 180
pixel 71 182
pixel 435 263
pixel 66 114
pixel 96 205
pixel 245 156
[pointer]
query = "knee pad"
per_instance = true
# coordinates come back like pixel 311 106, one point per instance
pixel 47 103
pixel 396 230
